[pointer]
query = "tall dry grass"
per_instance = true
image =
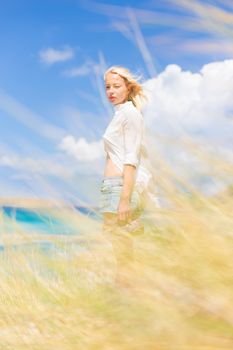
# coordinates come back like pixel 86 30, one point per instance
pixel 180 293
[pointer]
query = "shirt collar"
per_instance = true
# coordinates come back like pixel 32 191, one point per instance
pixel 120 106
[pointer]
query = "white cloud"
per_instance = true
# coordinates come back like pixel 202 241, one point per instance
pixel 6 160
pixel 89 66
pixel 49 176
pixel 82 150
pixel 50 56
pixel 190 116
pixel 35 165
pixel 80 71
pixel 193 102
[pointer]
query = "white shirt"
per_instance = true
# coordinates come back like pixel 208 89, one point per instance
pixel 124 142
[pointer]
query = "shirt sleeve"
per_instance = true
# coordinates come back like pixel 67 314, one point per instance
pixel 132 132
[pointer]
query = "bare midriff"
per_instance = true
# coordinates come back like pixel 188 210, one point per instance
pixel 111 169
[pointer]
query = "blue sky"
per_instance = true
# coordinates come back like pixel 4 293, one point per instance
pixel 53 54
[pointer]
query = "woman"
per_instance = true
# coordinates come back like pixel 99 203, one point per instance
pixel 125 174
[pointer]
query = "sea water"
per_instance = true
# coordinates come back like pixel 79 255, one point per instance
pixel 42 222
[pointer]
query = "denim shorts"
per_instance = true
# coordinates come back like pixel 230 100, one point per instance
pixel 111 189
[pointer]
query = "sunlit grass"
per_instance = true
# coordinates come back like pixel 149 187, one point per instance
pixel 181 283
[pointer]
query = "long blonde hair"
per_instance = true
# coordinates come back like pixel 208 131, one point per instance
pixel 136 94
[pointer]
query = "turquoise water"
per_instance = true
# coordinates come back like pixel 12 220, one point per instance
pixel 34 221
pixel 40 222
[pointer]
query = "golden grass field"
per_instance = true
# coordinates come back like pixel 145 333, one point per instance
pixel 180 290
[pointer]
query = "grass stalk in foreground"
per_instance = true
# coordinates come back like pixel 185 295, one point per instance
pixel 181 292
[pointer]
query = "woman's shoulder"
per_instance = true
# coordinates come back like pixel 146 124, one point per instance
pixel 130 111
pixel 132 117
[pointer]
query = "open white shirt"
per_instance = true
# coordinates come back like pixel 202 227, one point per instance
pixel 124 142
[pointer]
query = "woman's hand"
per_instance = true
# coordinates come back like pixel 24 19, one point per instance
pixel 124 211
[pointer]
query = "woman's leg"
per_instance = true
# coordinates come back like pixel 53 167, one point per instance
pixel 122 244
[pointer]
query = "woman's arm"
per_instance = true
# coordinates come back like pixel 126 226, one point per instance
pixel 124 210
pixel 132 132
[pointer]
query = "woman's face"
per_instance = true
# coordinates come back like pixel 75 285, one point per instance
pixel 116 89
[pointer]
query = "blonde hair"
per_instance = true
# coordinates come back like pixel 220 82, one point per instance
pixel 136 94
